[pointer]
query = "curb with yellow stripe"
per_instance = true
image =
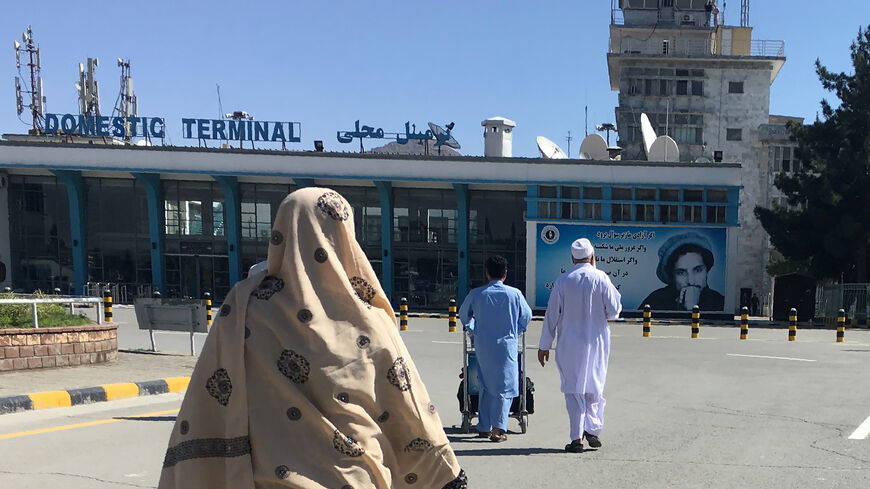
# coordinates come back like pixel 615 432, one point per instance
pixel 87 395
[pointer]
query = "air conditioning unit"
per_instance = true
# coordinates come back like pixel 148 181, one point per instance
pixel 687 20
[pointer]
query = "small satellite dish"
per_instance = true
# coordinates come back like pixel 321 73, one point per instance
pixel 648 133
pixel 585 156
pixel 550 150
pixel 595 146
pixel 442 136
pixel 664 148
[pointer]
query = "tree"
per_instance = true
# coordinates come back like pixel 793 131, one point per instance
pixel 825 229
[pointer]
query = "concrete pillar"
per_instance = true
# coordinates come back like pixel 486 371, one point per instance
pixel 156 215
pixel 462 201
pixel 385 191
pixel 232 198
pixel 75 191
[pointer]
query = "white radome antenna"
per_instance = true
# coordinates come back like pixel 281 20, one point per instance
pixel 594 147
pixel 550 150
pixel 647 132
pixel 664 148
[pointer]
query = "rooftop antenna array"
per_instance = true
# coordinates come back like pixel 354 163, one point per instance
pixel 89 89
pixel 128 105
pixel 744 13
pixel 34 89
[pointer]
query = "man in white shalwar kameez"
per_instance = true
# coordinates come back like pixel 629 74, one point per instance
pixel 581 302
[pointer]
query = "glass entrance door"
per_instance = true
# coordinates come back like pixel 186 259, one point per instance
pixel 191 276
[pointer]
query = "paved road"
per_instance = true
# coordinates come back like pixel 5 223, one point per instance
pixel 714 412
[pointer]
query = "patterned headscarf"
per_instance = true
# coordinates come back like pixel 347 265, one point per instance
pixel 304 381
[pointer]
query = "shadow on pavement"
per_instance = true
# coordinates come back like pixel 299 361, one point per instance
pixel 146 418
pixel 507 451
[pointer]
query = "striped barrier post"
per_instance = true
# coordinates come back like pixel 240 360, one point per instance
pixel 107 305
pixel 647 314
pixel 207 297
pixel 403 314
pixel 696 321
pixel 744 322
pixel 792 324
pixel 451 316
pixel 841 326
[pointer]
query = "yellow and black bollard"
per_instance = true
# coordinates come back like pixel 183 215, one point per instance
pixel 792 324
pixel 647 314
pixel 207 298
pixel 107 305
pixel 744 322
pixel 451 316
pixel 841 326
pixel 403 314
pixel 696 321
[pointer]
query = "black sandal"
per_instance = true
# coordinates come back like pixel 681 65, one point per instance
pixel 575 446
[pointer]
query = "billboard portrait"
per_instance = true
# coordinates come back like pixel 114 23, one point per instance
pixel 671 269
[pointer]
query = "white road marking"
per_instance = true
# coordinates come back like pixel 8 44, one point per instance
pixel 447 342
pixel 772 358
pixel 862 431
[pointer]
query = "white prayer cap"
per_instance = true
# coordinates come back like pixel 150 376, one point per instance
pixel 581 249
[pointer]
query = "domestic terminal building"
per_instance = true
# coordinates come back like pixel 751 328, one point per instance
pixel 186 220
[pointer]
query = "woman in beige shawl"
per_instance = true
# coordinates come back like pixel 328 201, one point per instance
pixel 304 381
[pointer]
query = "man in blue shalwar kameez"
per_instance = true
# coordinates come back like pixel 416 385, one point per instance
pixel 496 314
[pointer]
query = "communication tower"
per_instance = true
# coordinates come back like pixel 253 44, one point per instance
pixel 127 105
pixel 34 89
pixel 89 89
pixel 744 13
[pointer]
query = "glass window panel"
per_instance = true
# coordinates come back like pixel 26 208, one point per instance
pixel 570 192
pixel 669 213
pixel 547 191
pixel 669 194
pixel 716 214
pixel 697 88
pixel 693 195
pixel 592 210
pixel 217 218
pixel 620 193
pixel 592 193
pixel 645 212
pixel 682 87
pixel 620 212
pixel 645 194
pixel 717 195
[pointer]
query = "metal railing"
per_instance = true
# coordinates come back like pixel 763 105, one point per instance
pixel 72 301
pixel 853 298
pixel 694 47
pixel 120 294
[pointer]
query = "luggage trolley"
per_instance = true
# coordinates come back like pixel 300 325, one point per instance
pixel 470 387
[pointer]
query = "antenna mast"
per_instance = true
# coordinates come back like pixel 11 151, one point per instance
pixel 37 99
pixel 128 105
pixel 744 13
pixel 89 90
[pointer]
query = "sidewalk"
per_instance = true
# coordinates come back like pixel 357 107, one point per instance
pixel 131 367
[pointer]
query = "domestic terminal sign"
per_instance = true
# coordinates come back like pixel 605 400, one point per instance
pixel 101 125
pixel 155 127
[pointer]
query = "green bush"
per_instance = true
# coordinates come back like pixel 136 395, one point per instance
pixel 21 315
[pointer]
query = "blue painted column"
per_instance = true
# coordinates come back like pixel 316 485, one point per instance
pixel 531 201
pixel 304 182
pixel 385 191
pixel 156 214
pixel 75 191
pixel 461 190
pixel 232 207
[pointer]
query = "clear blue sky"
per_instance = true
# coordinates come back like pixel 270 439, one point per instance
pixel 329 63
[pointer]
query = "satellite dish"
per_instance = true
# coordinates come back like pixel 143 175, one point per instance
pixel 648 133
pixel 595 147
pixel 585 156
pixel 664 148
pixel 702 159
pixel 442 136
pixel 550 150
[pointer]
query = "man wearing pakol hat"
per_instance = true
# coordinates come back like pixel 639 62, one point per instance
pixel 581 302
pixel 685 261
